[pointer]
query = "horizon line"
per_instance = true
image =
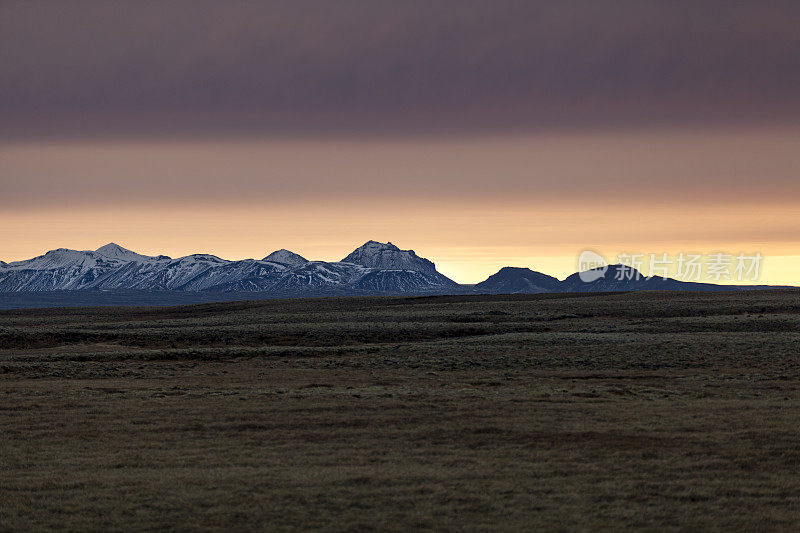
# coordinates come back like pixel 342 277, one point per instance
pixel 608 265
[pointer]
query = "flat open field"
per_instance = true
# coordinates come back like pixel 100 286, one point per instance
pixel 677 411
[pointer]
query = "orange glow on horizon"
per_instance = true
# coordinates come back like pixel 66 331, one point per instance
pixel 472 205
pixel 464 246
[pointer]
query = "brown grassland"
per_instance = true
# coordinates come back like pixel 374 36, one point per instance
pixel 667 411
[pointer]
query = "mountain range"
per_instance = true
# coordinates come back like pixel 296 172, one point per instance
pixel 373 268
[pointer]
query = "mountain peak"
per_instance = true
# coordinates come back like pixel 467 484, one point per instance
pixel 286 257
pixel 387 256
pixel 116 251
pixel 518 280
pixel 374 254
pixel 376 245
pixel 112 249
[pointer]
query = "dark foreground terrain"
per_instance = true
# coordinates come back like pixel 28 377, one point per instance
pixel 675 411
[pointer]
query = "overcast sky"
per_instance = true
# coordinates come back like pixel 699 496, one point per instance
pixel 519 130
pixel 311 67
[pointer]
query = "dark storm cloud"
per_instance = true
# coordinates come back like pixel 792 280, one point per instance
pixel 303 66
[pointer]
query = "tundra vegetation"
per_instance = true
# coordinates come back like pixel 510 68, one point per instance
pixel 649 410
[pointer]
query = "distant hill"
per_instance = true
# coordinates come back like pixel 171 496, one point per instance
pixel 625 278
pixel 513 280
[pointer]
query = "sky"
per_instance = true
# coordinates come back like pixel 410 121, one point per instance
pixel 480 134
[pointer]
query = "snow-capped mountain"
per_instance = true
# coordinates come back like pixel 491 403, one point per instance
pixel 373 268
pixel 377 255
pixel 373 254
pixel 60 269
pixel 377 268
pixel 115 251
pixel 285 257
pixel 512 280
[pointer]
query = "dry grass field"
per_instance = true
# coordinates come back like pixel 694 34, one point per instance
pixel 650 411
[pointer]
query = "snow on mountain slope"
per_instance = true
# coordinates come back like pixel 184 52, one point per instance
pixel 192 272
pixel 58 258
pixel 316 275
pixel 374 268
pixel 116 251
pixel 286 257
pixel 60 269
pixel 379 268
pixel 397 281
pixel 248 274
pixel 373 254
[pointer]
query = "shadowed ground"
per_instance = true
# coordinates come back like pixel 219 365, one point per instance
pixel 638 410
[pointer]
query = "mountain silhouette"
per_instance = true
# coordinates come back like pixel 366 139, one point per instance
pixel 619 277
pixel 511 280
pixel 372 268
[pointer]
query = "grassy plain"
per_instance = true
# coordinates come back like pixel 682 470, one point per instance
pixel 668 411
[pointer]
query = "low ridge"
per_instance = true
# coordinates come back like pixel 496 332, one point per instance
pixel 511 280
